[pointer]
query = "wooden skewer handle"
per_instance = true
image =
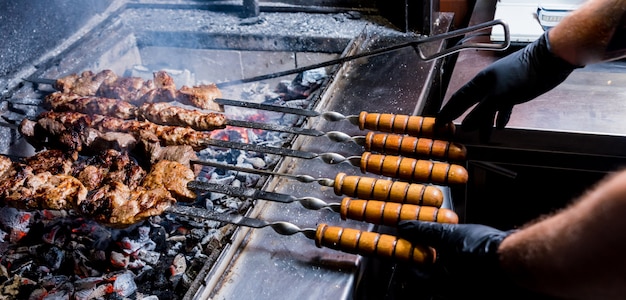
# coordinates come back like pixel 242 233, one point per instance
pixel 372 244
pixel 390 214
pixel 416 126
pixel 387 190
pixel 414 170
pixel 410 146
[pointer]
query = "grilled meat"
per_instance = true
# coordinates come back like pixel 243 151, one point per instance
pixel 109 166
pixel 87 83
pixel 160 113
pixel 201 96
pixel 141 130
pixel 168 114
pixel 91 105
pixel 137 91
pixel 75 138
pixel 53 161
pixel 173 176
pixel 115 204
pixel 24 188
pixel 110 188
pixel 130 89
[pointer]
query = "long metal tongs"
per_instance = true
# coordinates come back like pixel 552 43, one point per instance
pixel 463 44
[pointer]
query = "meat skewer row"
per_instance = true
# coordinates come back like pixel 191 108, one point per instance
pixel 162 113
pixel 76 129
pixel 111 189
pixel 113 202
pixel 138 91
pixel 116 205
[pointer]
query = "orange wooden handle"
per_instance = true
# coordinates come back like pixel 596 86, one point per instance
pixel 410 146
pixel 372 244
pixel 414 170
pixel 387 190
pixel 390 213
pixel 412 125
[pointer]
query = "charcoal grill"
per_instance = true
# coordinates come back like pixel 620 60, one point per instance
pixel 213 42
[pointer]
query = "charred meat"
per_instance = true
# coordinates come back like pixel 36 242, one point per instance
pixel 138 91
pixel 161 113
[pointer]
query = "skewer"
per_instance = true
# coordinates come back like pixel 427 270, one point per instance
pixel 372 211
pixel 416 126
pixel 339 238
pixel 358 186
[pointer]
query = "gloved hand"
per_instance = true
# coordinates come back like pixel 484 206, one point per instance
pixel 464 251
pixel 516 78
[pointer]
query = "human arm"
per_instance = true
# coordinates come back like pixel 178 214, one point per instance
pixel 586 36
pixel 577 253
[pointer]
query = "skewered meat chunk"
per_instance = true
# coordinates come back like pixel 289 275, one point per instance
pixel 53 161
pixel 142 130
pixel 174 177
pixel 87 83
pixel 160 113
pixel 91 105
pixel 109 166
pixel 137 91
pixel 118 196
pixel 79 137
pixel 201 96
pixel 117 205
pixel 43 190
pixel 168 114
pixel 129 89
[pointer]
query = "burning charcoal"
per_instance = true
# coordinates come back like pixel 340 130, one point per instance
pixel 119 260
pixel 54 236
pixel 150 257
pixel 17 223
pixel 124 284
pixel 256 162
pixel 158 235
pixel 156 282
pixel 83 266
pixel 51 256
pixel 179 265
pixel 95 292
pixel 303 85
pixel 256 92
pixel 38 293
pixel 177 269
pixel 3 236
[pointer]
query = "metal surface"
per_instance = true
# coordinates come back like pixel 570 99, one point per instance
pixel 284 228
pixel 274 127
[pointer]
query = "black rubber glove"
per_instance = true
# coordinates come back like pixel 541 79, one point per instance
pixel 516 78
pixel 464 251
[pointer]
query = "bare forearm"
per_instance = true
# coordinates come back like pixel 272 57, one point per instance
pixel 583 37
pixel 578 253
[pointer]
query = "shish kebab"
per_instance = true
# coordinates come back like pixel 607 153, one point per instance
pixel 85 138
pixel 172 115
pixel 52 179
pixel 162 113
pixel 136 90
pixel 27 186
pixel 71 129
